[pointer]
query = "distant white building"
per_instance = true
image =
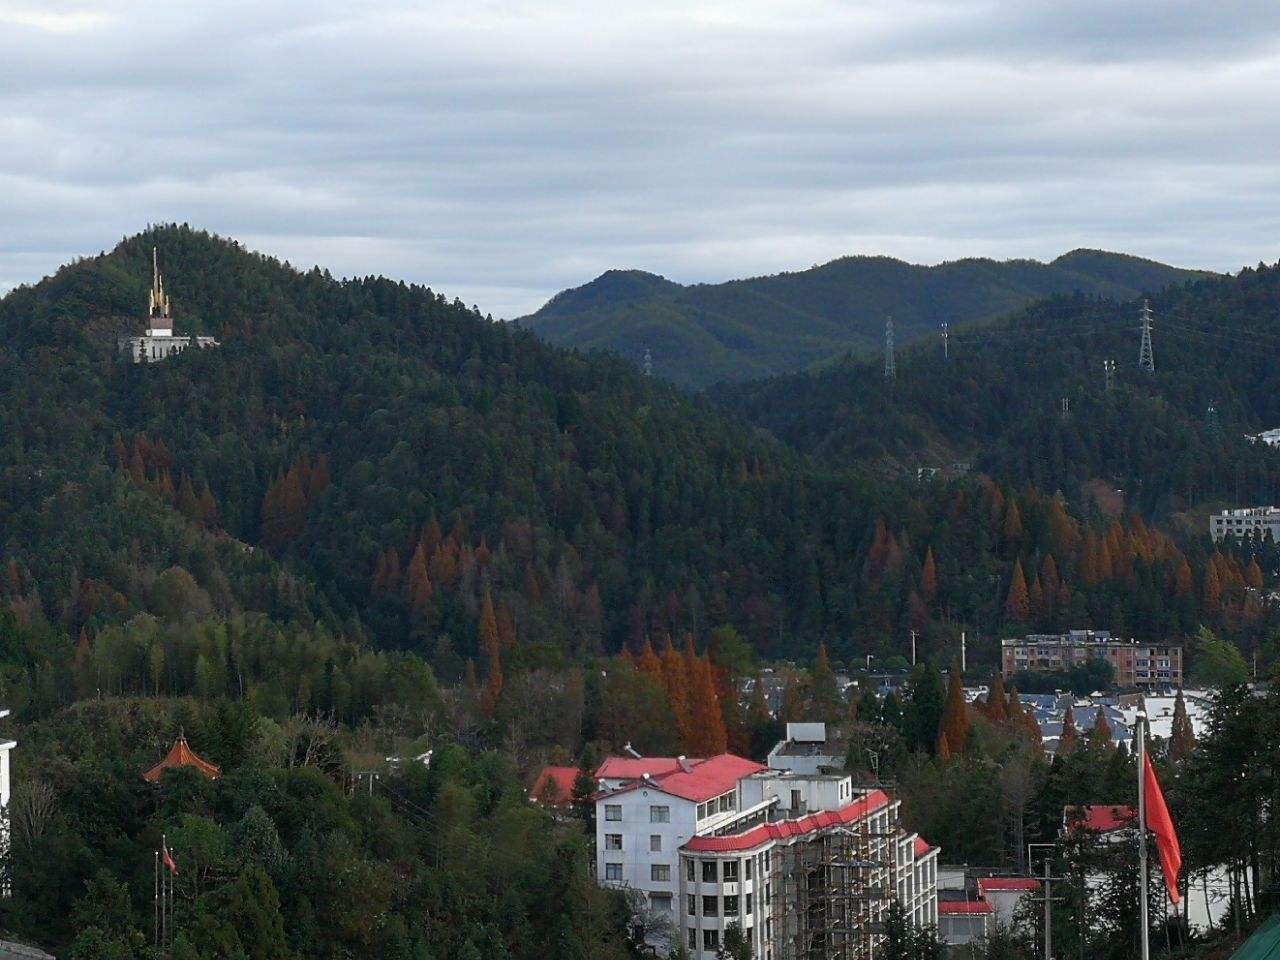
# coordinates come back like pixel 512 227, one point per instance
pixel 6 880
pixel 1270 437
pixel 1246 522
pixel 159 342
pixel 788 858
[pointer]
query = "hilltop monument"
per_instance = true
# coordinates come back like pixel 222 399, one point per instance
pixel 159 341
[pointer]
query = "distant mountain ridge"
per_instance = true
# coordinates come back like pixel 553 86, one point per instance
pixel 762 326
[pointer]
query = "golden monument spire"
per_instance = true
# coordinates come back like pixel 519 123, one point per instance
pixel 159 305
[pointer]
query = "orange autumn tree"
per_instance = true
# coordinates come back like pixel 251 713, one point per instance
pixel 1017 605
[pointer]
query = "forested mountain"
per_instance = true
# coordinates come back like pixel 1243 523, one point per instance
pixel 372 522
pixel 1026 399
pixel 745 329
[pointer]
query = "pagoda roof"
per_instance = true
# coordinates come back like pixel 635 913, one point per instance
pixel 181 755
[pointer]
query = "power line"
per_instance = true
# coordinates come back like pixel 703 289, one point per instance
pixel 890 363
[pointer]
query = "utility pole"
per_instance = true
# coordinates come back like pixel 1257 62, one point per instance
pixel 1109 374
pixel 1066 408
pixel 1047 879
pixel 1146 357
pixel 890 364
pixel 963 665
pixel 913 651
pixel 648 363
pixel 946 342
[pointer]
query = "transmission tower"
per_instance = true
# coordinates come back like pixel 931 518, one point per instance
pixel 648 363
pixel 1146 358
pixel 1109 374
pixel 946 342
pixel 890 366
pixel 1213 426
pixel 1066 408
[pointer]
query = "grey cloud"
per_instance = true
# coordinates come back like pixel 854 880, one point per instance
pixel 500 151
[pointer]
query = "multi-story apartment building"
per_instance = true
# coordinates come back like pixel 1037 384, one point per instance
pixel 1153 665
pixel 805 865
pixel 1250 522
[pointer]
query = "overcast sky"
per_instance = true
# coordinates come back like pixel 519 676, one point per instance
pixel 500 151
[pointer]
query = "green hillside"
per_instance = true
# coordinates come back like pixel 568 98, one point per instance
pixel 997 401
pixel 746 329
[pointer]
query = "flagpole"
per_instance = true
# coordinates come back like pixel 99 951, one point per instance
pixel 1140 738
pixel 155 877
pixel 164 899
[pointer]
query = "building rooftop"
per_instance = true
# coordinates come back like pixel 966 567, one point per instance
pixel 993 884
pixel 554 785
pixel 959 907
pixel 181 755
pixel 696 780
pixel 785 829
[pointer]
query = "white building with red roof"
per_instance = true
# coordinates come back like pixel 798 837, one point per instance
pixel 712 843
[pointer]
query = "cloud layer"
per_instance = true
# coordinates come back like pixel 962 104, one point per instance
pixel 501 151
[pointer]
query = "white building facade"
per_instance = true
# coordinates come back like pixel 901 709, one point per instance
pixel 724 842
pixel 1245 523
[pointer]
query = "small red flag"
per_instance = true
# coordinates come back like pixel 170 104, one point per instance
pixel 168 860
pixel 1161 826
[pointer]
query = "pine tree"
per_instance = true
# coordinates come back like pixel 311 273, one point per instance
pixel 1253 576
pixel 492 684
pixel 708 735
pixel 487 640
pixel 995 708
pixel 1182 738
pixel 954 728
pixel 1017 603
pixel 677 681
pixel 1070 737
pixel 1012 523
pixel 1211 596
pixel 1099 737
pixel 929 576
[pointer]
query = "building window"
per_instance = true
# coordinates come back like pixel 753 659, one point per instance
pixel 661 901
pixel 690 869
pixel 747 905
pixel 731 906
pixel 751 862
pixel 613 871
pixel 660 872
pixel 768 894
pixel 710 939
pixel 731 871
pixel 691 905
pixel 655 843
pixel 710 906
pixel 709 874
pixel 766 861
pixel 659 814
pixel 613 841
pixel 693 939
pixel 613 811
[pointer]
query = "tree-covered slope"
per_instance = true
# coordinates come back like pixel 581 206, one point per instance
pixel 744 329
pixel 998 400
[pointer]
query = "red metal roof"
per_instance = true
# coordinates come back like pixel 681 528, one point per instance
pixel 1006 883
pixel 181 755
pixel 633 768
pixel 785 829
pixel 959 907
pixel 703 780
pixel 554 785
pixel 922 847
pixel 1100 818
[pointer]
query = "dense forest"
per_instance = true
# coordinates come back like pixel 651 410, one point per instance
pixel 373 523
pixel 1027 399
pixel 743 329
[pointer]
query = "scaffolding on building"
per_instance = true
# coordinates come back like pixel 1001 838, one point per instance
pixel 834 890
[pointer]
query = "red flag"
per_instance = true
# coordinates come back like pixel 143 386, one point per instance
pixel 1161 826
pixel 168 860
